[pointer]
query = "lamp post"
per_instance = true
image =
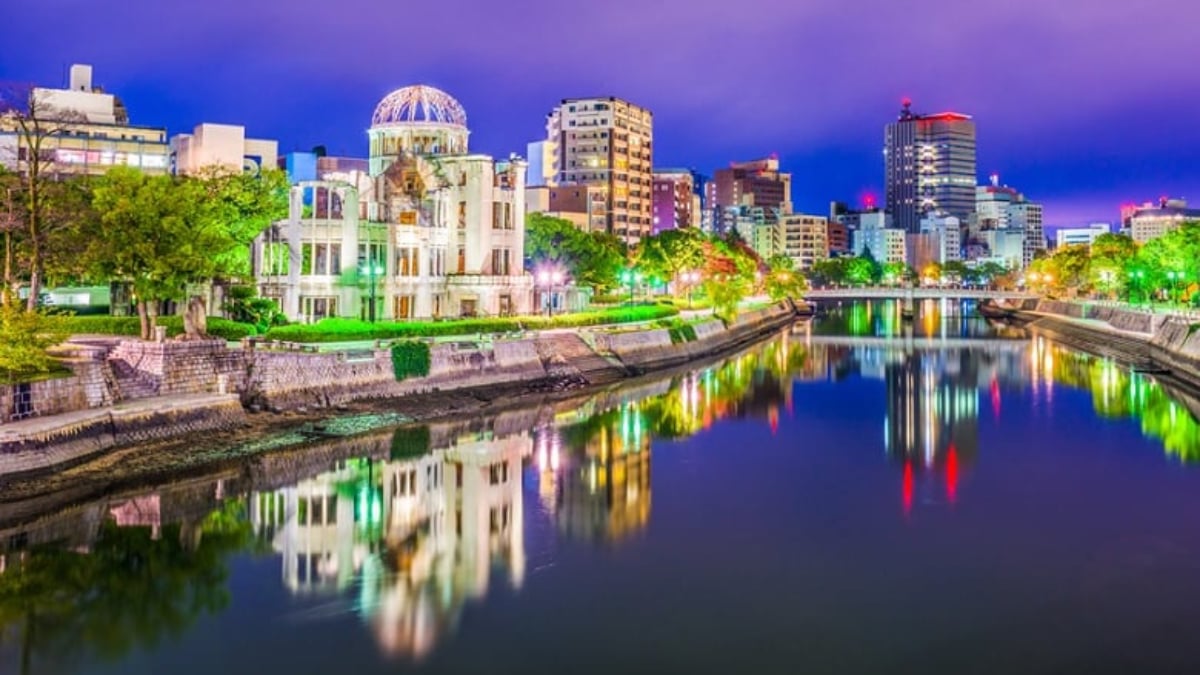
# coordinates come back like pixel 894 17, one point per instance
pixel 1174 277
pixel 371 269
pixel 689 279
pixel 631 277
pixel 549 279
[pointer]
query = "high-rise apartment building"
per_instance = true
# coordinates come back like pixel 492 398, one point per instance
pixel 929 166
pixel 607 143
pixel 673 197
pixel 805 238
pixel 757 183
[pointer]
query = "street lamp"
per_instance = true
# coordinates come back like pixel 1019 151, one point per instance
pixel 689 279
pixel 631 277
pixel 372 270
pixel 549 279
pixel 1175 277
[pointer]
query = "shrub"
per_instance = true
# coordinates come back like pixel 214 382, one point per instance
pixel 680 331
pixel 340 330
pixel 24 340
pixel 410 359
pixel 131 326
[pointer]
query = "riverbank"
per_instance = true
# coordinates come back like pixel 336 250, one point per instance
pixel 1158 343
pixel 255 393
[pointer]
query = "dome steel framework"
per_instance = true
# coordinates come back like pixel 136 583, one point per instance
pixel 419 104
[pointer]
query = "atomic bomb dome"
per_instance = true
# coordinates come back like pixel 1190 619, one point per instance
pixel 416 120
pixel 419 104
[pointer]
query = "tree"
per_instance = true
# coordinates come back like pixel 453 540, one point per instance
pixel 162 234
pixel 37 125
pixel 955 270
pixel 861 270
pixel 592 258
pixel 828 271
pixel 671 252
pixel 782 280
pixel 24 338
pixel 728 276
pixel 895 272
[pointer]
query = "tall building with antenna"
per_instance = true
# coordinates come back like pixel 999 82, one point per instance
pixel 929 166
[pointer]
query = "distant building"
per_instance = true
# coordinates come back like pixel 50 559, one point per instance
pixel 607 143
pixel 805 238
pixel 1000 207
pixel 1006 244
pixel 541 163
pixel 839 238
pixel 886 244
pixel 938 242
pixel 90 129
pixel 224 146
pixel 1070 236
pixel 1153 221
pixel 929 165
pixel 673 197
pixel 758 183
pixel 584 205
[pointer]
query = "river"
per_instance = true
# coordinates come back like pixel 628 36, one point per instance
pixel 857 494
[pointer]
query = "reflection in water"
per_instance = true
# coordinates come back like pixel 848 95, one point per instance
pixel 406 528
pixel 1166 413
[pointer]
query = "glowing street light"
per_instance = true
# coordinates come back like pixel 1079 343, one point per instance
pixel 549 278
pixel 372 270
pixel 631 277
pixel 690 278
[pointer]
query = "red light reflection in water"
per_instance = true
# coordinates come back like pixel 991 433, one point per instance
pixel 952 474
pixel 995 391
pixel 908 488
pixel 773 417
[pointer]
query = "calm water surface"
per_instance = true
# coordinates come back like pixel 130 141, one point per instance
pixel 855 496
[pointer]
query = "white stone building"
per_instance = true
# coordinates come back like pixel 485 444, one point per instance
pixel 221 145
pixel 429 231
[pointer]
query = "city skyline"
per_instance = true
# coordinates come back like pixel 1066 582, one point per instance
pixel 1046 102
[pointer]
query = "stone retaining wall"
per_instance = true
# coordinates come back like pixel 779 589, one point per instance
pixel 85 388
pixel 101 430
pixel 287 380
pixel 650 349
pixel 1122 319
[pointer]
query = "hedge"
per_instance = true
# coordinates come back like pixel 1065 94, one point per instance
pixel 410 359
pixel 131 325
pixel 343 330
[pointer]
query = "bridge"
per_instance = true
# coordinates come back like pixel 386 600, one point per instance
pixel 911 294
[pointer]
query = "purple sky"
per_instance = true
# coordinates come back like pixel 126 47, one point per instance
pixel 1082 104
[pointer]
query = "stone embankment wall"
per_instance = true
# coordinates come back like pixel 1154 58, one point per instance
pixel 650 349
pixel 126 392
pixel 288 381
pixel 81 435
pixel 1173 342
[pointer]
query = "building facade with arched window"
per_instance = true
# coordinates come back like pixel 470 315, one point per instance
pixel 423 229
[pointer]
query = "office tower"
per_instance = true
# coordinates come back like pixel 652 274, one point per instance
pixel 757 183
pixel 929 166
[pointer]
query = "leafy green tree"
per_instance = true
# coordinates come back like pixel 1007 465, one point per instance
pixel 163 234
pixel 243 304
pixel 861 270
pixel 955 270
pixel 728 277
pixel 592 258
pixel 782 280
pixel 829 271
pixel 24 339
pixel 670 253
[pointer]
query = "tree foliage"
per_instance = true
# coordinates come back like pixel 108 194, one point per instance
pixel 591 258
pixel 162 234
